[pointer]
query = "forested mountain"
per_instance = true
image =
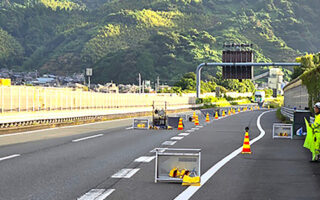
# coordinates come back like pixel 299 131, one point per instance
pixel 120 38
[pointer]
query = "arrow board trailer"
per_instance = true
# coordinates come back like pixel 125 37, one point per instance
pixel 171 163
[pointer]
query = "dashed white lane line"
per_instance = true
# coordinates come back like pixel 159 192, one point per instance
pixel 9 157
pixel 129 128
pixel 195 129
pixel 86 138
pixel 125 173
pixel 190 131
pixel 96 194
pixel 144 159
pixel 184 134
pixel 176 138
pixel 170 143
pixel 161 150
pixel 199 126
pixel 191 190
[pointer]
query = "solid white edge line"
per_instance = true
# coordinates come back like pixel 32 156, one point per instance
pixel 86 138
pixel 191 190
pixel 9 157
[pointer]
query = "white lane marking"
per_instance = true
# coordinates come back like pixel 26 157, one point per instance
pixel 125 173
pixel 129 128
pixel 144 159
pixel 195 129
pixel 199 126
pixel 105 194
pixel 190 131
pixel 96 194
pixel 86 138
pixel 184 134
pixel 74 126
pixel 9 157
pixel 191 190
pixel 161 150
pixel 176 138
pixel 169 143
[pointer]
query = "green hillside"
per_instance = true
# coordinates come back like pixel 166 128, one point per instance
pixel 166 38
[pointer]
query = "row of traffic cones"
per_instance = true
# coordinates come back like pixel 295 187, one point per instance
pixel 195 117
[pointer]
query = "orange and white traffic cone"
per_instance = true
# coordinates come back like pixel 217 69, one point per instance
pixel 246 144
pixel 223 114
pixel 216 116
pixel 196 121
pixel 207 118
pixel 180 125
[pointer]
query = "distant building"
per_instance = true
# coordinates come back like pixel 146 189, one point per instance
pixel 275 80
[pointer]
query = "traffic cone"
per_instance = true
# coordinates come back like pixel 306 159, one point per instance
pixel 234 111
pixel 216 116
pixel 229 113
pixel 268 107
pixel 239 110
pixel 193 116
pixel 251 108
pixel 196 121
pixel 246 144
pixel 223 114
pixel 207 118
pixel 180 125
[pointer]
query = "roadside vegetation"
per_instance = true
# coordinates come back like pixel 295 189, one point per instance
pixel 165 38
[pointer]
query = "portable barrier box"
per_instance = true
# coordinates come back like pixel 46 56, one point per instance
pixel 282 131
pixel 181 159
pixel 173 121
pixel 140 123
pixel 299 126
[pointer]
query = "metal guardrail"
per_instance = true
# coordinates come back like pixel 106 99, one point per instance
pixel 57 118
pixel 289 112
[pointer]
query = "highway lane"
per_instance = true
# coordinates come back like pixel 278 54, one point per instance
pixel 216 140
pixel 66 167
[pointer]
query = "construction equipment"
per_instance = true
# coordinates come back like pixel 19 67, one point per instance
pixel 159 116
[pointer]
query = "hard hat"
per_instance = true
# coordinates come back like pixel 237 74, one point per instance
pixel 317 105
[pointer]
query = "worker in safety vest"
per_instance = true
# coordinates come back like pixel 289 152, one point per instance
pixel 316 132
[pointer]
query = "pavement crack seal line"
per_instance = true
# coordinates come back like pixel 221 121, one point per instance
pixel 191 190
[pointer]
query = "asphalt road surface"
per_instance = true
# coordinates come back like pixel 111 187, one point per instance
pixel 99 161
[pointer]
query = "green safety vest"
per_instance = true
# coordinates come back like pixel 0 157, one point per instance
pixel 312 141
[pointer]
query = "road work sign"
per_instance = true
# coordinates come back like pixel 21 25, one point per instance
pixel 282 130
pixel 172 164
pixel 140 123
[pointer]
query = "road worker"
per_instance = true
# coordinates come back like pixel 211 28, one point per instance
pixel 316 132
pixel 312 140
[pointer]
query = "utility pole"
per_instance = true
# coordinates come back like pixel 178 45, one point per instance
pixel 139 83
pixel 142 86
pixel 158 83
